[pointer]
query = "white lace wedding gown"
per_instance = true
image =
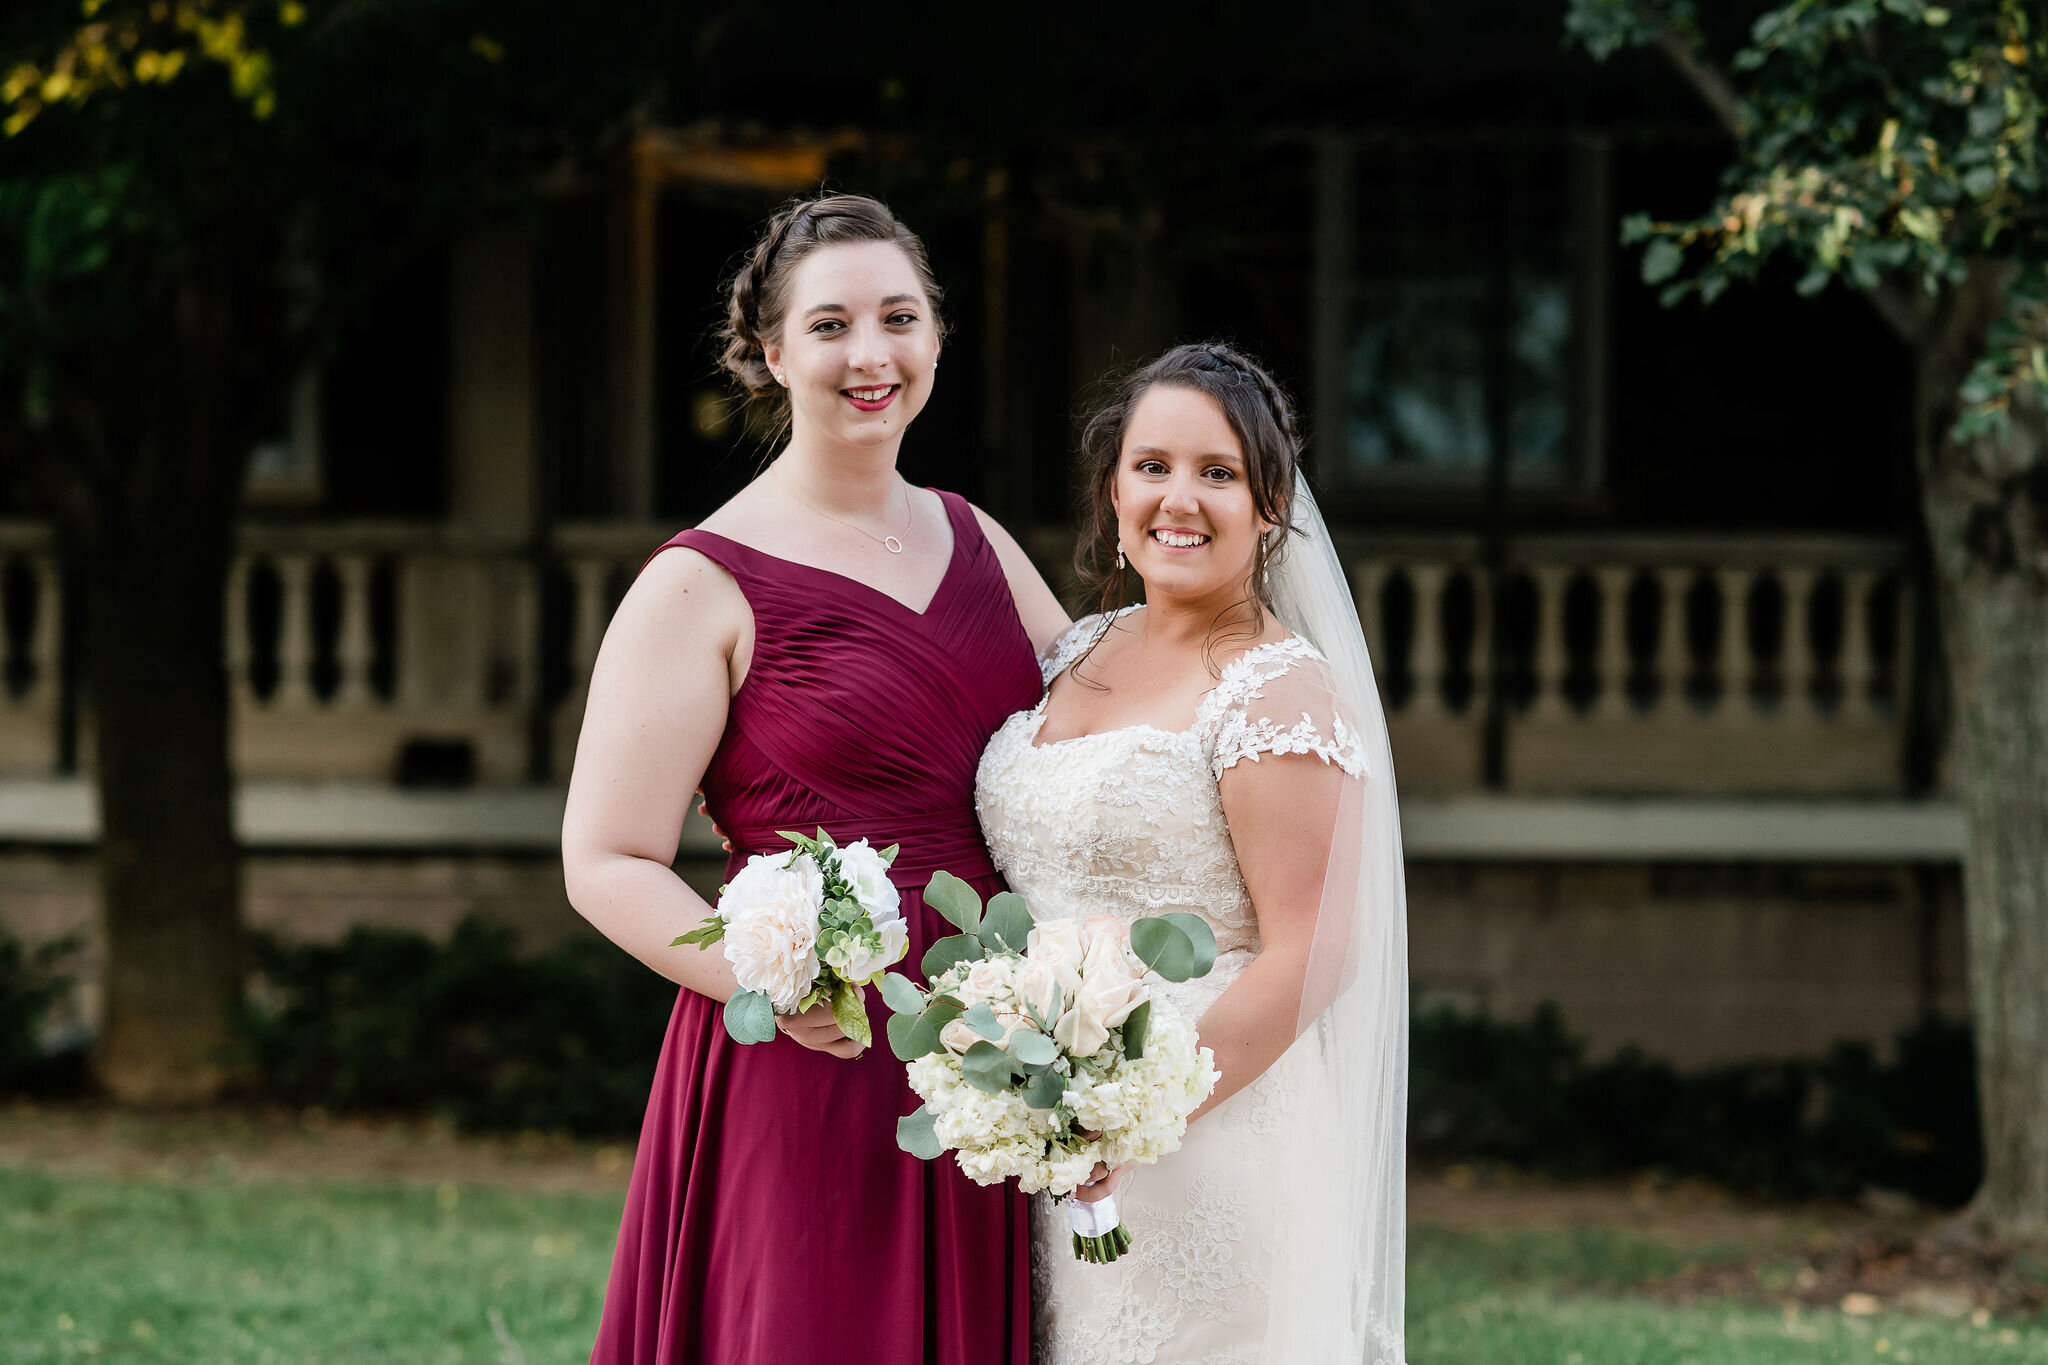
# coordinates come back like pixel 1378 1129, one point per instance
pixel 1129 823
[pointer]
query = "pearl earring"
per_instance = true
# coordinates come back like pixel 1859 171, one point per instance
pixel 1119 555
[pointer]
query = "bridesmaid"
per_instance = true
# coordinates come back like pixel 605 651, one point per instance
pixel 832 647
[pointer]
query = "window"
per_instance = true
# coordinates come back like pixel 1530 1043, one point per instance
pixel 1460 297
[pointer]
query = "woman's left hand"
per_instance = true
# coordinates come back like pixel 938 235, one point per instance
pixel 1101 1182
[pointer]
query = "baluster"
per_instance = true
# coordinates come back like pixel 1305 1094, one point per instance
pixel 1553 661
pixel 295 636
pixel 1426 651
pixel 1796 662
pixel 47 639
pixel 1483 662
pixel 1613 660
pixel 1902 656
pixel 238 650
pixel 589 576
pixel 1731 644
pixel 525 635
pixel 1368 578
pixel 1855 665
pixel 352 646
pixel 1674 651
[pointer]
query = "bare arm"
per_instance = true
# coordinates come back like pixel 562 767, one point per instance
pixel 658 697
pixel 1282 813
pixel 1045 620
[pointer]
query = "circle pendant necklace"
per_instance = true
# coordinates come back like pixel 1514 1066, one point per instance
pixel 893 544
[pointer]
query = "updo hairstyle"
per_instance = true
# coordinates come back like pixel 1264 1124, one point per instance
pixel 758 297
pixel 1261 417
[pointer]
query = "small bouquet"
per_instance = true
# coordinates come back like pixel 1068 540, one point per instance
pixel 1039 1049
pixel 817 923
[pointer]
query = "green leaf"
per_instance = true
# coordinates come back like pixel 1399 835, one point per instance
pixel 1201 935
pixel 888 855
pixel 1163 946
pixel 949 952
pixel 910 1037
pixel 942 1013
pixel 900 995
pixel 803 842
pixel 706 934
pixel 850 1012
pixel 1008 922
pixel 1661 260
pixel 1137 1024
pixel 954 899
pixel 1031 1048
pixel 1813 281
pixel 982 1020
pixel 917 1134
pixel 1044 1090
pixel 749 1017
pixel 986 1067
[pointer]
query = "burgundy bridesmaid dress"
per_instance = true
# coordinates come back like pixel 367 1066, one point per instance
pixel 771 1218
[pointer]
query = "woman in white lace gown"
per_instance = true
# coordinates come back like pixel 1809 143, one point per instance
pixel 1197 753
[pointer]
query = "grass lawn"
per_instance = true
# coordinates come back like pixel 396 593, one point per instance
pixel 227 1268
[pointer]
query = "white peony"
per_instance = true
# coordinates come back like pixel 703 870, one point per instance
pixel 770 911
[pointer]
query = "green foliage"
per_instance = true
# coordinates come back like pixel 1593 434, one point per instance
pixel 1137 1026
pixel 917 1135
pixel 1888 144
pixel 388 1020
pixel 955 900
pixel 986 1067
pixel 1523 1093
pixel 750 1017
pixel 31 981
pixel 1165 947
pixel 1007 926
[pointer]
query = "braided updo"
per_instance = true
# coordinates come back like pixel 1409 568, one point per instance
pixel 758 298
pixel 1260 416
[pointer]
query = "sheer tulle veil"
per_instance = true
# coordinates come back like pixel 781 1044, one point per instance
pixel 1338 1277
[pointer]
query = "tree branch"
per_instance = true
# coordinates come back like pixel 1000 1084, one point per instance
pixel 1906 309
pixel 1707 80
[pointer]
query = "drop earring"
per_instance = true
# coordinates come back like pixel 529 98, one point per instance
pixel 1119 555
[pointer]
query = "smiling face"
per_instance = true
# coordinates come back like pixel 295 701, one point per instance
pixel 1185 513
pixel 858 343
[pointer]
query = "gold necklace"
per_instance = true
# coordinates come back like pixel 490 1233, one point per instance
pixel 893 544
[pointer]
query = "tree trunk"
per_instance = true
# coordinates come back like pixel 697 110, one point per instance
pixel 169 877
pixel 1989 532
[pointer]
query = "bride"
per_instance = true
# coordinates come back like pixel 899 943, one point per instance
pixel 1220 749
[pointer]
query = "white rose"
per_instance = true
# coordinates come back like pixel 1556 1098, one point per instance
pixel 957 1037
pixel 771 927
pixel 1039 988
pixel 1109 992
pixel 1057 944
pixel 863 869
pixel 1098 925
pixel 987 981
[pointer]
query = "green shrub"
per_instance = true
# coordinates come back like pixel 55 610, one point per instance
pixel 30 983
pixel 1524 1094
pixel 390 1020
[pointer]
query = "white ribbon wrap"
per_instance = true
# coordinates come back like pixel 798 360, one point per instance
pixel 1092 1220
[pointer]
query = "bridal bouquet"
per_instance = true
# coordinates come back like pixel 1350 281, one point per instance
pixel 811 925
pixel 1039 1049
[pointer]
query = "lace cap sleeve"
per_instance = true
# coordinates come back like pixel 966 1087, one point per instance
pixel 1278 699
pixel 1073 644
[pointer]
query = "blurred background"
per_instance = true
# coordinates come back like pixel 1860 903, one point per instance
pixel 1647 588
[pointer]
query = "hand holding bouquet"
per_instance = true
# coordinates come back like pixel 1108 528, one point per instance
pixel 800 928
pixel 1040 1049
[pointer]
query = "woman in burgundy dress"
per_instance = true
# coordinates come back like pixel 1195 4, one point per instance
pixel 832 647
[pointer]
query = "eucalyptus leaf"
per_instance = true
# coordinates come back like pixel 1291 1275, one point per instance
pixel 982 1020
pixel 1137 1024
pixel 918 1134
pixel 1007 925
pixel 942 956
pixel 749 1017
pixel 1031 1048
pixel 986 1067
pixel 888 855
pixel 1163 946
pixel 850 1012
pixel 941 1013
pixel 1201 935
pixel 1044 1090
pixel 900 995
pixel 911 1037
pixel 954 899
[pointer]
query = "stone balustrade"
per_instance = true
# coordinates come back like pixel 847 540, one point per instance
pixel 1612 664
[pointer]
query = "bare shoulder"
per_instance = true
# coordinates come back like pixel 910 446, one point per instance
pixel 685 593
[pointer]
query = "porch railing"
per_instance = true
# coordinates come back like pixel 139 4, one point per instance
pixel 1609 664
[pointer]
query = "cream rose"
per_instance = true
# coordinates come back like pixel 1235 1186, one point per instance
pixel 1057 944
pixel 1109 992
pixel 1039 988
pixel 771 927
pixel 1098 925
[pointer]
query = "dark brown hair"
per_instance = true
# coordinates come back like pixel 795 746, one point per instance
pixel 758 297
pixel 1263 421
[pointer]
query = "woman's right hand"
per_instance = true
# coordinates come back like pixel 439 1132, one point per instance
pixel 817 1030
